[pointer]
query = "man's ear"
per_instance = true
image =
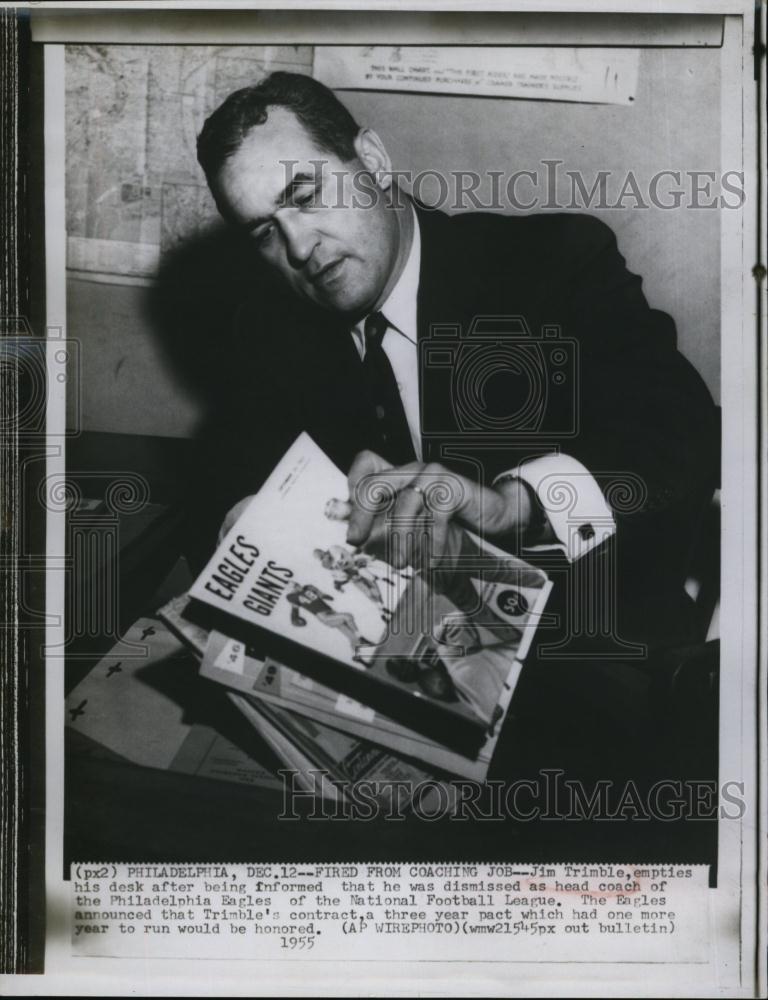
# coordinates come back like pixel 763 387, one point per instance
pixel 373 155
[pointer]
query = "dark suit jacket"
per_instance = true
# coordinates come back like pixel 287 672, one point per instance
pixel 628 406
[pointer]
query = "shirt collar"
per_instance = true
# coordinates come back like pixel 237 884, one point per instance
pixel 400 306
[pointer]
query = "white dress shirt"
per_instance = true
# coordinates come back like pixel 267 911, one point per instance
pixel 576 510
pixel 400 340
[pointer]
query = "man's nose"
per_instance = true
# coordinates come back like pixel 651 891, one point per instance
pixel 300 239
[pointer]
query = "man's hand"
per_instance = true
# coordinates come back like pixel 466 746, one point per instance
pixel 232 517
pixel 410 513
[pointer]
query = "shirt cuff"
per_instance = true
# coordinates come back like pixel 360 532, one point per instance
pixel 573 503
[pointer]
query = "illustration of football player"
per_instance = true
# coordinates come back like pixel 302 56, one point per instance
pixel 340 510
pixel 312 600
pixel 346 566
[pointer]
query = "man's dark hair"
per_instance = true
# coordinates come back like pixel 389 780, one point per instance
pixel 318 109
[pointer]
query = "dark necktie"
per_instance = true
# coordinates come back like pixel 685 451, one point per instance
pixel 394 438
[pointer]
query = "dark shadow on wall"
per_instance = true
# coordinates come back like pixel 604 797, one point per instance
pixel 191 311
pixel 192 307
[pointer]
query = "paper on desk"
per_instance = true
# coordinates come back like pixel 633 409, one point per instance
pixel 138 708
pixel 228 662
pixel 207 754
pixel 307 773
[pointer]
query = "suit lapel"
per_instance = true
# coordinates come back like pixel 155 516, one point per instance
pixel 470 268
pixel 444 311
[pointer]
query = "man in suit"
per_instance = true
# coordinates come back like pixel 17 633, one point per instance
pixel 512 364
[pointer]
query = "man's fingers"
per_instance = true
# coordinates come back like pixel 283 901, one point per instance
pixel 232 517
pixel 439 537
pixel 366 464
pixel 359 526
pixel 410 527
pixel 419 541
pixel 394 538
pixel 373 488
pixel 415 498
pixel 376 544
pixel 478 508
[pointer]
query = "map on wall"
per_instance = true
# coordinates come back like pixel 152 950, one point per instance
pixel 134 189
pixel 133 186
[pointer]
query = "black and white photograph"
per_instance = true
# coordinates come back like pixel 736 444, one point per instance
pixel 392 497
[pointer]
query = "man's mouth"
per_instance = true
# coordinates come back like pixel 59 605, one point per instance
pixel 328 272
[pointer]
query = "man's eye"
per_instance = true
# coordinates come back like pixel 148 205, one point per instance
pixel 264 235
pixel 308 198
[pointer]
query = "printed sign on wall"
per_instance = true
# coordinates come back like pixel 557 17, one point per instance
pixel 602 76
